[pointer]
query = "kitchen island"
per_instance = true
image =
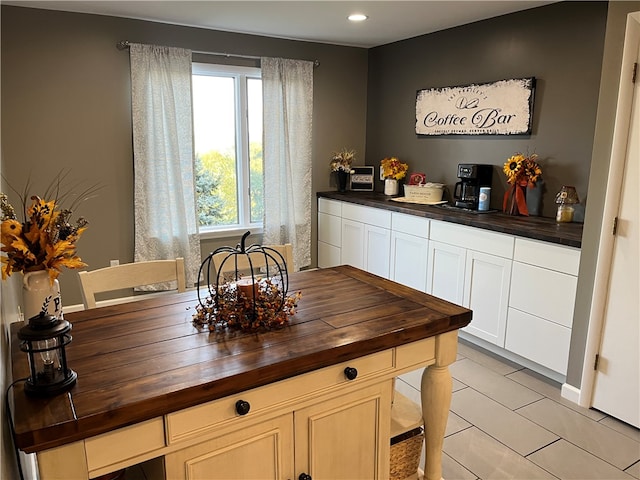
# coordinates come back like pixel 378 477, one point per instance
pixel 151 386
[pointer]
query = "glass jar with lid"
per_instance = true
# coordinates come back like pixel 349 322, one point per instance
pixel 566 198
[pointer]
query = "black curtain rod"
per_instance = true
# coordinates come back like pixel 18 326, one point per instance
pixel 124 44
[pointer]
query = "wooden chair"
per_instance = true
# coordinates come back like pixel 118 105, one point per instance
pixel 130 275
pixel 257 260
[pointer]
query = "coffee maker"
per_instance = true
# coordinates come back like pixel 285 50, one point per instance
pixel 472 176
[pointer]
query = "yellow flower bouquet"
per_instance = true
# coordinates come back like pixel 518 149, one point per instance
pixel 393 168
pixel 45 240
pixel 521 171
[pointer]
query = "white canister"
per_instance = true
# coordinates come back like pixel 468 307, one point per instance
pixel 39 294
pixel 484 199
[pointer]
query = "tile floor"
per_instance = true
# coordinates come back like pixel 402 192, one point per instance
pixel 507 422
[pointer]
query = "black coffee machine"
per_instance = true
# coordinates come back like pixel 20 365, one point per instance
pixel 472 177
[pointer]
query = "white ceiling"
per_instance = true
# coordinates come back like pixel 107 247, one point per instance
pixel 317 21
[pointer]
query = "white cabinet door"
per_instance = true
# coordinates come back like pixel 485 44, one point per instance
pixel 486 292
pixel 409 260
pixel 352 248
pixel 329 240
pixel 376 248
pixel 445 273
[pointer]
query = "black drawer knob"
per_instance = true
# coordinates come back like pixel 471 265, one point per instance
pixel 351 373
pixel 304 476
pixel 242 407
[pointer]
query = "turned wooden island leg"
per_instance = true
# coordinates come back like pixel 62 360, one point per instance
pixel 436 391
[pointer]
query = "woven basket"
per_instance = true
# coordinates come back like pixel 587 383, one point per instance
pixel 405 454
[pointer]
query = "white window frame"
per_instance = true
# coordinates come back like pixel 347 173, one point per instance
pixel 240 75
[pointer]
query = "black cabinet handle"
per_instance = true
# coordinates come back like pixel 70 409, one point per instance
pixel 351 373
pixel 242 407
pixel 304 476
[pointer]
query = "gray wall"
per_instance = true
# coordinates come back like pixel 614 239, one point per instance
pixel 66 105
pixel 560 44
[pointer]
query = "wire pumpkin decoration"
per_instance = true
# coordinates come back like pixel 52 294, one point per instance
pixel 255 301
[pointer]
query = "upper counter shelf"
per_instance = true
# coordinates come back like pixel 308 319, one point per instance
pixel 537 228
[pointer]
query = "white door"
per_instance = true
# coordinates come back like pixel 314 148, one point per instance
pixel 445 272
pixel 377 242
pixel 617 382
pixel 352 246
pixel 409 260
pixel 486 292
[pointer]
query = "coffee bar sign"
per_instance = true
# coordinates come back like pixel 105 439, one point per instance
pixel 497 108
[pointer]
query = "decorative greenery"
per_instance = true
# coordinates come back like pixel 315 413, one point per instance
pixel 234 310
pixel 45 239
pixel 342 160
pixel 393 168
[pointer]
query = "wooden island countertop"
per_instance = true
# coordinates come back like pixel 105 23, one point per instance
pixel 145 359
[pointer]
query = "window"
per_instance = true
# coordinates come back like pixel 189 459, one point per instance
pixel 227 131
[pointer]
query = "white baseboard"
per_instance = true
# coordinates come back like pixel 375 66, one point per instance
pixel 571 393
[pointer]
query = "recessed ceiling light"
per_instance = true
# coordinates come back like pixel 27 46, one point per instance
pixel 357 17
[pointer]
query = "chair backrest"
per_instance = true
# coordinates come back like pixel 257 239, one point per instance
pixel 130 275
pixel 257 259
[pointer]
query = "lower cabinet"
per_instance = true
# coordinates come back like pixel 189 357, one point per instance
pixel 335 437
pixel 262 451
pixel 445 276
pixel 486 292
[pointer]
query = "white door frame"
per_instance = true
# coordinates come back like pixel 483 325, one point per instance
pixel 611 208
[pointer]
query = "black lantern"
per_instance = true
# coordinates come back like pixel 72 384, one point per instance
pixel 44 339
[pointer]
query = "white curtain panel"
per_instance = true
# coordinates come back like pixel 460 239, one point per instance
pixel 287 87
pixel 165 200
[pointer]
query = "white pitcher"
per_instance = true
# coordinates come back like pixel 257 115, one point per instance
pixel 39 294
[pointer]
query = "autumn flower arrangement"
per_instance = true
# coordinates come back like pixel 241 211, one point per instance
pixel 46 239
pixel 393 168
pixel 341 161
pixel 522 172
pixel 268 309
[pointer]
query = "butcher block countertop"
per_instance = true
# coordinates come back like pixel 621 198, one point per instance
pixel 537 228
pixel 141 360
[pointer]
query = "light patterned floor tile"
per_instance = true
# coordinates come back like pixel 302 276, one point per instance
pixel 499 365
pixel 452 470
pixel 455 424
pixel 501 389
pixel 408 391
pixel 568 462
pixel 489 459
pixel 623 428
pixel 601 441
pixel 634 470
pixel 509 428
pixel 413 378
pixel 551 389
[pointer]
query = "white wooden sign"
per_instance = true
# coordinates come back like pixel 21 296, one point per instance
pixel 497 108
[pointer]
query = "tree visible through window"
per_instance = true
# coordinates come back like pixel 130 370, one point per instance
pixel 227 118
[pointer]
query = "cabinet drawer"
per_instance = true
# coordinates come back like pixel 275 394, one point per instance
pixel 472 238
pixel 544 293
pixel 542 254
pixel 332 207
pixel 410 224
pixel 206 419
pixel 539 340
pixel 420 353
pixel 329 229
pixel 124 443
pixel 368 215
